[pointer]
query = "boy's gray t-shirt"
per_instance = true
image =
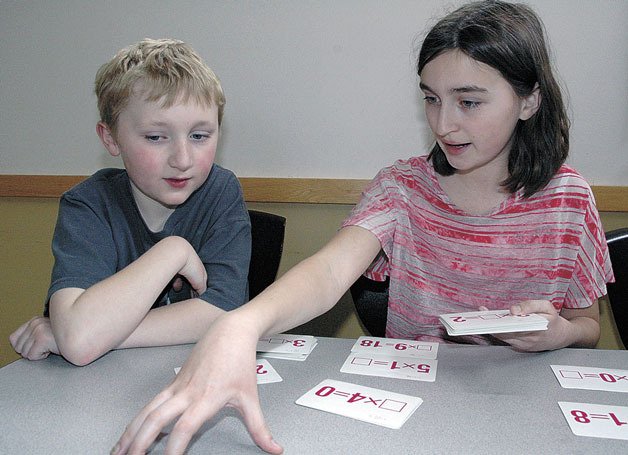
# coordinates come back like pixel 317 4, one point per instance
pixel 100 231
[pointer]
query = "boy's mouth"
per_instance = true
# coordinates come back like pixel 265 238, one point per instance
pixel 177 183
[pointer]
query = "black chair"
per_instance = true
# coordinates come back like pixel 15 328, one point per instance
pixel 371 303
pixel 267 235
pixel 618 291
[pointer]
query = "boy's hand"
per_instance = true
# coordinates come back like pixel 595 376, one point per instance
pixel 194 271
pixel 554 337
pixel 34 339
pixel 219 372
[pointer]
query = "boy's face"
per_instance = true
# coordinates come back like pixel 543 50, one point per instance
pixel 168 153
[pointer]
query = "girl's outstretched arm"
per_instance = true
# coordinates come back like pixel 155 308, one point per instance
pixel 221 368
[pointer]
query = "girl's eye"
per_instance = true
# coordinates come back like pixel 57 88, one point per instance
pixel 152 137
pixel 430 99
pixel 467 104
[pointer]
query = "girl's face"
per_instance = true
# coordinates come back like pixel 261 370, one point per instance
pixel 472 110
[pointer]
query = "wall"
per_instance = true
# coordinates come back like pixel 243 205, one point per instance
pixel 314 88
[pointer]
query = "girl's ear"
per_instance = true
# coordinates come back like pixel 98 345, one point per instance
pixel 530 103
pixel 107 139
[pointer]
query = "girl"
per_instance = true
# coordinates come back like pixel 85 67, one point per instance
pixel 491 218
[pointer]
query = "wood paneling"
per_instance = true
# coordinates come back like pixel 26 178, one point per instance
pixel 292 190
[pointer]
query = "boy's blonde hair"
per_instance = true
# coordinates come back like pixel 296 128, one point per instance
pixel 169 70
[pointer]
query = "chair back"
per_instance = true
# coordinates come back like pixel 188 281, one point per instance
pixel 618 291
pixel 371 303
pixel 267 236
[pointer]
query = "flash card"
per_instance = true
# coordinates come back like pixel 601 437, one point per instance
pixel 388 409
pixel 286 346
pixel 414 368
pixel 394 347
pixel 494 321
pixel 265 372
pixel 596 420
pixel 591 378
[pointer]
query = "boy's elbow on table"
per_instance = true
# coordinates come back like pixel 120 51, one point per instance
pixel 77 348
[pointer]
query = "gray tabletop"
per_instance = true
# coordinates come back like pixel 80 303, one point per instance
pixel 489 400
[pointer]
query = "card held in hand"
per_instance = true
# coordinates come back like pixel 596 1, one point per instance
pixel 493 321
pixel 380 407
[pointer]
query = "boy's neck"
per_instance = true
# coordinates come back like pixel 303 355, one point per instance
pixel 153 213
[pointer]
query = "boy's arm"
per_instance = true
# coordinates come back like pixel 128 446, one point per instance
pixel 34 340
pixel 178 323
pixel 88 323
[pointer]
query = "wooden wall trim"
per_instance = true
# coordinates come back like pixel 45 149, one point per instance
pixel 258 189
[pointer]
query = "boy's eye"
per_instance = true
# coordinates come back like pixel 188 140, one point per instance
pixel 199 136
pixel 152 137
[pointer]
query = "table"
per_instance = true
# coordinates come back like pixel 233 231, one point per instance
pixel 488 400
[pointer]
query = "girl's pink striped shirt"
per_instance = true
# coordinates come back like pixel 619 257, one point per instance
pixel 550 246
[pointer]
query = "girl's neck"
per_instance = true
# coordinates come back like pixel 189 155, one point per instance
pixel 479 191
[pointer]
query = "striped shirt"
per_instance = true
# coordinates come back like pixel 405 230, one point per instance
pixel 550 246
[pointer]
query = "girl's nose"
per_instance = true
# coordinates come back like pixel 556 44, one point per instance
pixel 446 121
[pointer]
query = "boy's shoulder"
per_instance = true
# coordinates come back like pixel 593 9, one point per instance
pixel 101 184
pixel 219 180
pixel 99 181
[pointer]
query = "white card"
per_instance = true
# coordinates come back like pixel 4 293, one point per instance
pixel 286 346
pixel 265 372
pixel 395 347
pixel 414 368
pixel 494 321
pixel 591 378
pixel 388 409
pixel 596 420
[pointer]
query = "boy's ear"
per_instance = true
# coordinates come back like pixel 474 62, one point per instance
pixel 530 104
pixel 107 139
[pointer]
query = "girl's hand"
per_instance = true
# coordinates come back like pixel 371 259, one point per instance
pixel 34 339
pixel 219 372
pixel 556 336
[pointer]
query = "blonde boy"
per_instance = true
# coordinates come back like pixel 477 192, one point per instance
pixel 153 253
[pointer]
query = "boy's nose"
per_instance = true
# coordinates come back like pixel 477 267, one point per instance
pixel 181 156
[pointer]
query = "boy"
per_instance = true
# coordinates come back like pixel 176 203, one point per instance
pixel 141 251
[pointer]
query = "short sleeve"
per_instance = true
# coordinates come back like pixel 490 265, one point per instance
pixel 225 249
pixel 376 212
pixel 593 268
pixel 82 247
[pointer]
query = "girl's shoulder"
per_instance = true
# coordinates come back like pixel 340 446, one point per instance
pixel 417 166
pixel 567 180
pixel 567 190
